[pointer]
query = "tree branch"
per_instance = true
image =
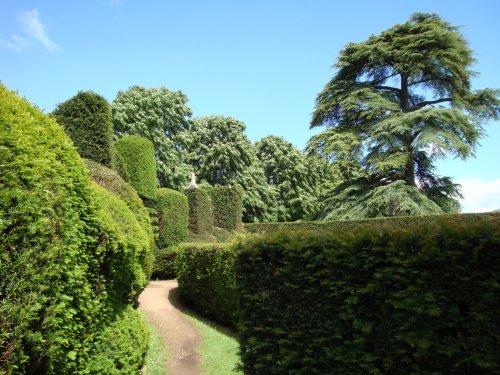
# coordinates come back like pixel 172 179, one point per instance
pixel 430 102
pixel 421 81
pixel 396 90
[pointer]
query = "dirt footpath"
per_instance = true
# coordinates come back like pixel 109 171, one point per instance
pixel 160 302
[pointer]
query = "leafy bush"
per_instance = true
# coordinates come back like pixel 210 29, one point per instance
pixel 227 206
pixel 173 217
pixel 86 118
pixel 206 279
pixel 137 156
pixel 121 347
pixel 61 281
pixel 128 247
pixel 200 211
pixel 110 180
pixel 416 299
pixel 164 267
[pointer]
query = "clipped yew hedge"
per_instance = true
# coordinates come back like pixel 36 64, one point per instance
pixel 205 273
pixel 70 262
pixel 227 206
pixel 173 217
pixel 136 158
pixel 86 118
pixel 408 299
pixel 200 211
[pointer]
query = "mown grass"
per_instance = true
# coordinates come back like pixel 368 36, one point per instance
pixel 219 349
pixel 156 356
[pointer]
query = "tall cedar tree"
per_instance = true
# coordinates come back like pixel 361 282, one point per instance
pixel 399 101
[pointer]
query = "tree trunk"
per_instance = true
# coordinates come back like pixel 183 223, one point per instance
pixel 407 139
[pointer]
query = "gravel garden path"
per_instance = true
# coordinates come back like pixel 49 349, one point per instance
pixel 160 302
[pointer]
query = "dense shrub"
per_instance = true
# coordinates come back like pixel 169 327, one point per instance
pixel 57 278
pixel 121 347
pixel 173 217
pixel 227 206
pixel 110 180
pixel 86 118
pixel 200 211
pixel 206 279
pixel 164 266
pixel 418 299
pixel 137 157
pixel 128 247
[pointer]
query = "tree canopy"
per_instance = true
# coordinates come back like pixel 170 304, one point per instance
pixel 398 102
pixel 163 117
pixel 298 181
pixel 220 150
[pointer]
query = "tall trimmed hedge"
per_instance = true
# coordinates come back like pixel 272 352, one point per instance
pixel 86 118
pixel 205 273
pixel 200 211
pixel 137 157
pixel 68 263
pixel 173 217
pixel 227 206
pixel 417 299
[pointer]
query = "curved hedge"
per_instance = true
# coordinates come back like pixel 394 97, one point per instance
pixel 110 180
pixel 137 156
pixel 173 217
pixel 62 277
pixel 408 299
pixel 86 118
pixel 227 206
pixel 205 273
pixel 200 211
pixel 128 246
pixel 164 265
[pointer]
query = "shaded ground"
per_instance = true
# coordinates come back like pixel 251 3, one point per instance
pixel 160 302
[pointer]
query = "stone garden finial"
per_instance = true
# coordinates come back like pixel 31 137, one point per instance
pixel 193 184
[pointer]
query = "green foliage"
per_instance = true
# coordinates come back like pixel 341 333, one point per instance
pixel 121 347
pixel 63 279
pixel 137 155
pixel 110 180
pixel 398 102
pixel 206 279
pixel 86 118
pixel 221 152
pixel 163 117
pixel 128 247
pixel 164 266
pixel 298 181
pixel 407 299
pixel 173 217
pixel 226 206
pixel 200 211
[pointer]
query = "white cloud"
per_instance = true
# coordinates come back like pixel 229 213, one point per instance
pixel 36 29
pixel 480 195
pixel 16 43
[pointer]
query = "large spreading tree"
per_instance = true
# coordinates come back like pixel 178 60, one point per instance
pixel 163 117
pixel 398 102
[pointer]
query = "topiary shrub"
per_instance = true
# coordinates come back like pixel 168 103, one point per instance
pixel 86 118
pixel 200 211
pixel 421 298
pixel 205 273
pixel 63 277
pixel 136 154
pixel 173 217
pixel 164 266
pixel 121 346
pixel 227 206
pixel 128 246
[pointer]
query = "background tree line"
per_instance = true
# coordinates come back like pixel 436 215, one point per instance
pixel 397 102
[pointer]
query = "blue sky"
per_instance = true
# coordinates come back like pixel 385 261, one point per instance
pixel 262 62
